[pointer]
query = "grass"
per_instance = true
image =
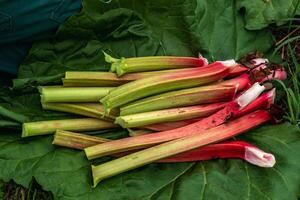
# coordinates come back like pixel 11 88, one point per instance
pixel 288 46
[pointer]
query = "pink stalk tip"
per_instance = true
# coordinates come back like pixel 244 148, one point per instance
pixel 277 74
pixel 258 157
pixel 271 96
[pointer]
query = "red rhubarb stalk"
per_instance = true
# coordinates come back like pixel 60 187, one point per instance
pixel 181 145
pixel 232 149
pixel 170 125
pixel 168 115
pixel 236 71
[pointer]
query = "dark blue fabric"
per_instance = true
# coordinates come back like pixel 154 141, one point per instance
pixel 25 21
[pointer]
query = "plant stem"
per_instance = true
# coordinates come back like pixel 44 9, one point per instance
pixel 91 83
pixel 170 125
pixel 168 115
pixel 49 127
pixel 105 79
pixel 95 110
pixel 152 63
pixel 232 149
pixel 72 94
pixel 76 140
pixel 171 148
pixel 138 132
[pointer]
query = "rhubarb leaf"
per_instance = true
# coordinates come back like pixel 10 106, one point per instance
pixel 142 28
pixel 261 13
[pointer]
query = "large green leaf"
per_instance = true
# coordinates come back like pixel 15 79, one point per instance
pixel 138 28
pixel 261 13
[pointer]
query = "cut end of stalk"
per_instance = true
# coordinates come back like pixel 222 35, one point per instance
pixel 24 131
pixel 229 63
pixel 258 157
pixel 271 96
pixel 88 153
pixel 95 180
pixel 107 109
pixel 41 91
pixel 250 95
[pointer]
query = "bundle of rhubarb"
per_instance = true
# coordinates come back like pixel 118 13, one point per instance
pixel 177 109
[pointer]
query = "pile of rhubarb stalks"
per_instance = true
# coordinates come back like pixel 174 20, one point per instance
pixel 176 109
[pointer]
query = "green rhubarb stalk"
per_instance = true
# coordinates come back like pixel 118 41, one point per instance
pixel 220 92
pixel 169 115
pixel 180 98
pixel 137 132
pixel 105 79
pixel 91 83
pixel 158 84
pixel 49 127
pixel 72 94
pixel 90 78
pixel 181 145
pixel 95 110
pixel 76 140
pixel 152 63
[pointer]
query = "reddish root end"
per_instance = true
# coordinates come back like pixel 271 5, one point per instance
pixel 258 157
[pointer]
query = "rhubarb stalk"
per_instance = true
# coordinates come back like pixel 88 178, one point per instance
pixel 164 83
pixel 170 125
pixel 138 132
pixel 92 78
pixel 262 102
pixel 95 110
pixel 218 118
pixel 181 145
pixel 232 149
pixel 169 115
pixel 152 63
pixel 72 94
pixel 106 79
pixel 48 127
pixel 76 140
